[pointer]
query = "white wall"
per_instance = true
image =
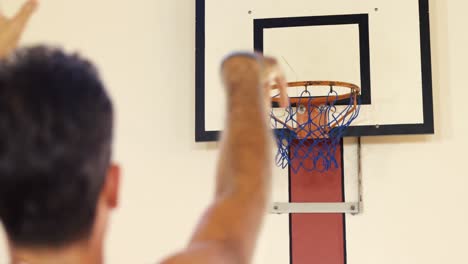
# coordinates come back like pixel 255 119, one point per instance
pixel 415 187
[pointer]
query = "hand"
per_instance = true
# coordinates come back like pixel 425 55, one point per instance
pixel 273 76
pixel 12 28
pixel 254 67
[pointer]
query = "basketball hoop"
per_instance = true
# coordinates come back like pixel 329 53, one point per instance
pixel 314 123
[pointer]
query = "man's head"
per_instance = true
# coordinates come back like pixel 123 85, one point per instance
pixel 56 179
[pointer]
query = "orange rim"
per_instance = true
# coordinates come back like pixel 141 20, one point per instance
pixel 320 100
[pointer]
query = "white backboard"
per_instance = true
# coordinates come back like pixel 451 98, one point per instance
pixel 380 45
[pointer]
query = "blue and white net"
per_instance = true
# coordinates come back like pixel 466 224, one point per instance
pixel 308 133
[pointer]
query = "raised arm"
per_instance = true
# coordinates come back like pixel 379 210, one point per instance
pixel 228 230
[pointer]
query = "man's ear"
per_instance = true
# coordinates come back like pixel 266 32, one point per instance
pixel 112 186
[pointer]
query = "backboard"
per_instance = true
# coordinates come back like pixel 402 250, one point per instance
pixel 382 46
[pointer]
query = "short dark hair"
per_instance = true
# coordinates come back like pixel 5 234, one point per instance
pixel 55 146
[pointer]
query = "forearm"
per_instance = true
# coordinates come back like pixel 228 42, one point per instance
pixel 244 166
pixel 243 177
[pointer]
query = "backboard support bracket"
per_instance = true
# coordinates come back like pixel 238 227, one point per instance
pixel 353 208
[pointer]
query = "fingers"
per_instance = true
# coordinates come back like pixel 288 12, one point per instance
pixel 14 27
pixel 11 29
pixel 283 89
pixel 274 74
pixel 25 12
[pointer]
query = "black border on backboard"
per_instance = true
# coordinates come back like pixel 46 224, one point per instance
pixel 362 20
pixel 202 135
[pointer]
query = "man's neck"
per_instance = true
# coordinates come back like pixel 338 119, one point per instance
pixel 75 254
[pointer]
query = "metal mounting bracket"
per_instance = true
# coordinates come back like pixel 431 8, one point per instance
pixel 317 208
pixel 352 208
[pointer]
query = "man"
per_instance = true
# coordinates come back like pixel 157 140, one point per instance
pixel 58 184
